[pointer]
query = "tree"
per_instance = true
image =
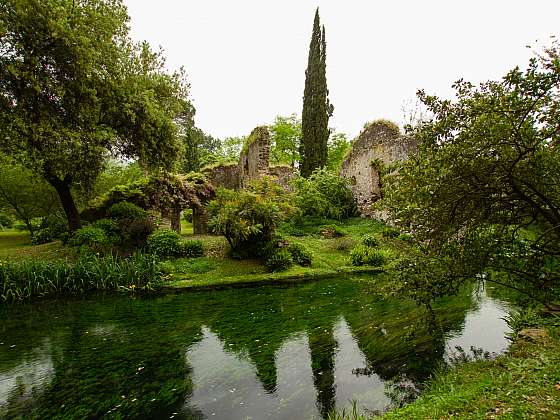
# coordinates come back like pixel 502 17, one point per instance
pixel 23 195
pixel 285 139
pixel 338 146
pixel 316 106
pixel 75 89
pixel 482 197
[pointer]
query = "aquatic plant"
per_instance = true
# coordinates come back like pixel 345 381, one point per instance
pixel 29 279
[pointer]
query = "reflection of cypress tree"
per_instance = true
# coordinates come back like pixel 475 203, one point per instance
pixel 323 346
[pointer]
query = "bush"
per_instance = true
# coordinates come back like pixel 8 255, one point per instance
pixel 191 248
pixel 364 255
pixel 6 221
pixel 280 260
pixel 405 237
pixel 325 194
pixel 301 255
pixel 165 243
pixel 248 219
pixel 390 232
pixel 331 231
pixel 27 279
pixel 370 241
pixel 49 229
pixel 93 240
pixel 344 244
pixel 126 211
pixel 134 233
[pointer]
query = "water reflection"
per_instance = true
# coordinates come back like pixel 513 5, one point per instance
pixel 272 352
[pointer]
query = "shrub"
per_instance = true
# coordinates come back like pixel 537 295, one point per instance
pixel 248 219
pixel 370 241
pixel 92 240
pixel 331 231
pixel 165 243
pixel 325 194
pixel 301 255
pixel 280 260
pixel 27 279
pixel 390 232
pixel 406 237
pixel 364 255
pixel 50 228
pixel 344 244
pixel 126 211
pixel 134 233
pixel 191 248
pixel 6 221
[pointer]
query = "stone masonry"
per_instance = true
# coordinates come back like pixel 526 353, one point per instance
pixel 380 141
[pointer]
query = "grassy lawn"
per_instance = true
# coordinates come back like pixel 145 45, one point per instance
pixel 16 245
pixel 330 256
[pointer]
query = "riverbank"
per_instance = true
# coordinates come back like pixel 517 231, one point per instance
pixel 523 383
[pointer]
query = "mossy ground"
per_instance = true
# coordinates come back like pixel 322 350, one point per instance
pixel 16 245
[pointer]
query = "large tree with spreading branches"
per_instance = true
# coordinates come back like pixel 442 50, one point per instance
pixel 482 197
pixel 316 106
pixel 74 89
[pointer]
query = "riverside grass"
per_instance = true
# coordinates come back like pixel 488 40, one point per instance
pixel 22 280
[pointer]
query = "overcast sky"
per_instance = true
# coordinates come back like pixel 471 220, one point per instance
pixel 246 59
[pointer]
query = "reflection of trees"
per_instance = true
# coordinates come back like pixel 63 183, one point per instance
pixel 143 358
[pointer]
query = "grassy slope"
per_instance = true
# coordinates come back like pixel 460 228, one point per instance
pixel 216 268
pixel 524 383
pixel 15 245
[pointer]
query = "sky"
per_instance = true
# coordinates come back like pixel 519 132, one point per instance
pixel 246 59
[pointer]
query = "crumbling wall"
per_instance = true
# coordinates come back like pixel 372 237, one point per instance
pixel 379 142
pixel 254 158
pixel 282 174
pixel 223 175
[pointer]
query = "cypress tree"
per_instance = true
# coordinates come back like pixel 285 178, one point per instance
pixel 316 106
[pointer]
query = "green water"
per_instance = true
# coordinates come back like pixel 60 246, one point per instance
pixel 271 352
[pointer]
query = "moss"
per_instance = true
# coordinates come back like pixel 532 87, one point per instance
pixel 257 134
pixel 382 123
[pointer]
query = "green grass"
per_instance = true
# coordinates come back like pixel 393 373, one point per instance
pixel 15 245
pixel 524 383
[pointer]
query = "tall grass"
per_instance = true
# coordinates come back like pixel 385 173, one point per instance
pixel 29 279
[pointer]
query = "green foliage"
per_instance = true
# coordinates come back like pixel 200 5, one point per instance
pixel 165 243
pixel 390 232
pixel 51 227
pixel 31 279
pixel 370 241
pixel 191 248
pixel 82 89
pixel 116 173
pixel 338 146
pixel 301 255
pixel 366 255
pixel 316 106
pixel 483 193
pixel 344 244
pixel 280 260
pixel 248 218
pixel 93 240
pixel 331 231
pixel 126 211
pixel 285 140
pixel 23 195
pixel 324 194
pixel 6 221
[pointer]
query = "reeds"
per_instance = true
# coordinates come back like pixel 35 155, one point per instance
pixel 30 279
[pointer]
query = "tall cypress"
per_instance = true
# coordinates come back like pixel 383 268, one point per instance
pixel 316 106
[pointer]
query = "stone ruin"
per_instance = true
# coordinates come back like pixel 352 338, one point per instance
pixel 380 142
pixel 253 165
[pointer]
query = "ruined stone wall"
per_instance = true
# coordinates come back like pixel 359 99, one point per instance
pixel 224 175
pixel 283 174
pixel 254 159
pixel 380 140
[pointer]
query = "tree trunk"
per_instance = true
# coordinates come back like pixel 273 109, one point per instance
pixel 62 187
pixel 176 220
